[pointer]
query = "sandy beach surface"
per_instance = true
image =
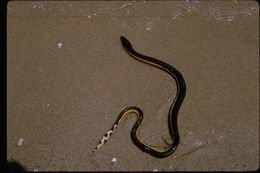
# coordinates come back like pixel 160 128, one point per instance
pixel 68 78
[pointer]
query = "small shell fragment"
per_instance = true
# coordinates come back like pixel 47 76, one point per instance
pixel 20 141
pixel 59 45
pixel 155 170
pixel 113 160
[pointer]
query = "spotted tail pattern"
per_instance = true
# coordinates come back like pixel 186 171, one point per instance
pixel 105 138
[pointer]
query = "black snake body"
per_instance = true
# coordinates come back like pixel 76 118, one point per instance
pixel 159 152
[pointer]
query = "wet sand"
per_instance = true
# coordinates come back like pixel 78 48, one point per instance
pixel 69 78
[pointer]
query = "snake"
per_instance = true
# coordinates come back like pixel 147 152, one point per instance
pixel 155 151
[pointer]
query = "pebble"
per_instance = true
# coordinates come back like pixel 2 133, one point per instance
pixel 20 141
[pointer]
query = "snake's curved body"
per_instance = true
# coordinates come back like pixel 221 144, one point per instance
pixel 159 152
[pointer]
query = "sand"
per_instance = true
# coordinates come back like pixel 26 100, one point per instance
pixel 69 78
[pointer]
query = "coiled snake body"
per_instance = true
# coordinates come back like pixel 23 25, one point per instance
pixel 159 152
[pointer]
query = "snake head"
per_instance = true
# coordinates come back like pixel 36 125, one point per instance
pixel 125 42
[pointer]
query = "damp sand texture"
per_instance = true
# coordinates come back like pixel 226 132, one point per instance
pixel 68 78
